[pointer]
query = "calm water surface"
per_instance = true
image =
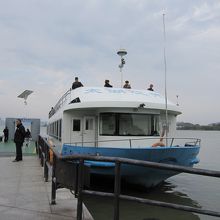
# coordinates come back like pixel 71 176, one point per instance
pixel 186 189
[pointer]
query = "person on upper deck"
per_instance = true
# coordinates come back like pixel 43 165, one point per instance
pixel 107 83
pixel 151 87
pixel 51 112
pixel 127 85
pixel 76 84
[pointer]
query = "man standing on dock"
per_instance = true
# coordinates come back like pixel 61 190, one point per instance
pixel 19 140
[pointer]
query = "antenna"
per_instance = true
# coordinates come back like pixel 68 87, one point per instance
pixel 24 95
pixel 121 53
pixel 165 77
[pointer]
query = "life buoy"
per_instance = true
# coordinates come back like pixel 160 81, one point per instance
pixel 50 156
pixel 51 152
pixel 160 142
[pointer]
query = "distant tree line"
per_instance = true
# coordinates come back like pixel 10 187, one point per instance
pixel 190 126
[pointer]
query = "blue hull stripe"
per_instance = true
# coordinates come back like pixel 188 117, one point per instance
pixel 183 156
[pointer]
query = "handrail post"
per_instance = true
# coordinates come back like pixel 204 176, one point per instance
pixel 130 142
pixel 171 142
pixel 42 155
pixel 80 188
pixel 54 182
pixel 39 144
pixel 117 189
pixel 45 164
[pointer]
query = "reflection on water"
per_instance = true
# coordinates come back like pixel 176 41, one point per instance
pixel 102 208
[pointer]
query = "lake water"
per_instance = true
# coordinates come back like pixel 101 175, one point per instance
pixel 186 189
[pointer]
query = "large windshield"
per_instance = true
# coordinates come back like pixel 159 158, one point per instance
pixel 121 124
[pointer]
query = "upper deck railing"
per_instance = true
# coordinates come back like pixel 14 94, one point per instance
pixel 60 103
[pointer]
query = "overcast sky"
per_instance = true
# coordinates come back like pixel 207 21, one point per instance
pixel 44 44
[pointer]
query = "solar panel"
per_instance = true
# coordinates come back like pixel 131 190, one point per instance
pixel 25 94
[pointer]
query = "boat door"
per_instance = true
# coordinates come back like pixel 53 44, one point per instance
pixel 76 131
pixel 83 130
pixel 89 131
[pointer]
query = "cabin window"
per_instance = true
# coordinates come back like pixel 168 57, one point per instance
pixel 57 127
pixel 60 129
pixel 121 124
pixel 89 124
pixel 54 129
pixel 131 124
pixel 76 124
pixel 107 124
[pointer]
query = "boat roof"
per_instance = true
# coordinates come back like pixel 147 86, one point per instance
pixel 103 97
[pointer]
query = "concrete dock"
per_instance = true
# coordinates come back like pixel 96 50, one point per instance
pixel 24 195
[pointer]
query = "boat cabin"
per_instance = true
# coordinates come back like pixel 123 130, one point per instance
pixel 110 117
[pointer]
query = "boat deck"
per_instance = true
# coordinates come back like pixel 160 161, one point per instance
pixel 24 195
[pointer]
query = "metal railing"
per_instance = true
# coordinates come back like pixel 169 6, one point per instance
pixel 130 142
pixel 78 161
pixel 60 103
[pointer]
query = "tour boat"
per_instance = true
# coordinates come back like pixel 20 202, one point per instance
pixel 124 123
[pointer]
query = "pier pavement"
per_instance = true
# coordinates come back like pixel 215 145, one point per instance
pixel 24 195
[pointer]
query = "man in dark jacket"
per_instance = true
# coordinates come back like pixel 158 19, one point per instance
pixel 19 140
pixel 107 84
pixel 151 87
pixel 77 83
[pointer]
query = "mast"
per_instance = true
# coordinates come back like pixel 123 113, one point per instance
pixel 122 53
pixel 165 78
